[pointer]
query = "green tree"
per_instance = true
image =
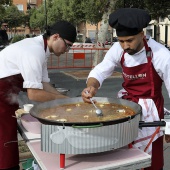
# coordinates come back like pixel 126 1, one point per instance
pixel 6 2
pixel 28 14
pixel 94 10
pixel 3 5
pixel 76 11
pixel 73 11
pixel 37 19
pixel 130 4
pixel 50 11
pixel 162 10
pixel 55 13
pixel 156 8
pixel 14 17
pixel 58 10
pixel 104 25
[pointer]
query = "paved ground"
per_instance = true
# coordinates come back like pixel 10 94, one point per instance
pixel 109 89
pixel 83 74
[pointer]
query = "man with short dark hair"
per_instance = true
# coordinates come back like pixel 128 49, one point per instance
pixel 145 66
pixel 24 66
pixel 3 34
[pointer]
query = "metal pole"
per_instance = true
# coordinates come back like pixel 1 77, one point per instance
pixel 155 30
pixel 45 6
pixel 166 35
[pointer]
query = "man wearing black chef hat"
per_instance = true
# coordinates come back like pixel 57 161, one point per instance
pixel 129 21
pixel 145 65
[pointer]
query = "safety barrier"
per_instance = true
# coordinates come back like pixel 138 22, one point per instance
pixel 75 58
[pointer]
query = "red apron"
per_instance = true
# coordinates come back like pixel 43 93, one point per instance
pixel 9 90
pixel 143 82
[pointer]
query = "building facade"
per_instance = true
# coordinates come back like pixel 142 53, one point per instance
pixel 89 30
pixel 163 26
pixel 24 5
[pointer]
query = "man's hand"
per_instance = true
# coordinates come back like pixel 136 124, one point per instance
pixel 92 87
pixel 167 138
pixel 88 93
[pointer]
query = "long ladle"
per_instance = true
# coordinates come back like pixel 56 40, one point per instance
pixel 98 111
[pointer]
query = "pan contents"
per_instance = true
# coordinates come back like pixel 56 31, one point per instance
pixel 84 112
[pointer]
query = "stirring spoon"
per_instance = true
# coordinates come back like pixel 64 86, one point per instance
pixel 98 111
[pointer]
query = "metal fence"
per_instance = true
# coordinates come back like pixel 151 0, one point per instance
pixel 75 58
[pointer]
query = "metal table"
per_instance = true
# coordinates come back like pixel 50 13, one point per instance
pixel 119 159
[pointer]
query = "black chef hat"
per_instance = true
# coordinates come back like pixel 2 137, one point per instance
pixel 129 21
pixel 65 29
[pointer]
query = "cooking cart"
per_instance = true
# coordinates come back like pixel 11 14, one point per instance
pixel 92 145
pixel 119 159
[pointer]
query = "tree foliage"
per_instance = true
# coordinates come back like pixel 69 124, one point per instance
pixel 58 10
pixel 3 5
pixel 54 11
pixel 74 11
pixel 6 2
pixel 37 19
pixel 94 10
pixel 14 17
pixel 130 4
pixel 71 11
pixel 104 25
pixel 157 8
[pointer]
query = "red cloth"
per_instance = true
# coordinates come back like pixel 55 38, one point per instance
pixel 9 89
pixel 143 82
pixel 157 155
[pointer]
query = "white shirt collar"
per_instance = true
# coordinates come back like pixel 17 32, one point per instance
pixel 143 49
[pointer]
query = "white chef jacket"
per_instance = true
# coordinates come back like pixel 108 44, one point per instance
pixel 161 63
pixel 28 58
pixel 160 60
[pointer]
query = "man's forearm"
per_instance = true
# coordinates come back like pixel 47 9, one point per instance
pixel 93 82
pixel 39 95
pixel 48 87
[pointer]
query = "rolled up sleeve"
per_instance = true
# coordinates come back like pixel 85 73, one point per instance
pixel 34 85
pixel 33 70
